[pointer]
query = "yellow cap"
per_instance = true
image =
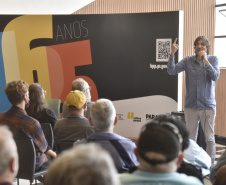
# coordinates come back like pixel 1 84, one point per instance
pixel 76 98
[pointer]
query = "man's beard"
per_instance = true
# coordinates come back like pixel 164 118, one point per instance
pixel 197 51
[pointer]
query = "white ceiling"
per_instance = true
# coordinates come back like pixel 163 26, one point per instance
pixel 19 7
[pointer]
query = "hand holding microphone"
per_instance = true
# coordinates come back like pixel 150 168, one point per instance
pixel 203 56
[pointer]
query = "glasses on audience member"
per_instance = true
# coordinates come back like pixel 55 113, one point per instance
pixel 89 88
pixel 27 94
pixel 44 92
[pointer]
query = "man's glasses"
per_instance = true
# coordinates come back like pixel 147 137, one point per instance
pixel 44 92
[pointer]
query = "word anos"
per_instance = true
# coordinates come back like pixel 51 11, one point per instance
pixel 73 30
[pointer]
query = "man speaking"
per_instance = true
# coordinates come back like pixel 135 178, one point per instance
pixel 201 71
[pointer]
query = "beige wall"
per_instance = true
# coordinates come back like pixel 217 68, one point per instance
pixel 220 127
pixel 199 17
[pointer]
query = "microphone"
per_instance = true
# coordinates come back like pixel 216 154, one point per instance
pixel 203 61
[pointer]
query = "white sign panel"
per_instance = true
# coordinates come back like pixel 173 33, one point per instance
pixel 134 113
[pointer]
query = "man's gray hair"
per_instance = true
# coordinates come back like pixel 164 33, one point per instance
pixel 103 114
pixel 79 84
pixel 8 150
pixel 83 165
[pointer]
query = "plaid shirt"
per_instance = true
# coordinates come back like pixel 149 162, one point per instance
pixel 24 126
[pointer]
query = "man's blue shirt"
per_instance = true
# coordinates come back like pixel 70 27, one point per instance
pixel 200 80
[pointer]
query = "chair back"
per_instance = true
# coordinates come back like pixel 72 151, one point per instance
pixel 62 146
pixel 27 159
pixel 48 132
pixel 55 105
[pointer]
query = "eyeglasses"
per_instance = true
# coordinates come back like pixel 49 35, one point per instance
pixel 89 88
pixel 27 94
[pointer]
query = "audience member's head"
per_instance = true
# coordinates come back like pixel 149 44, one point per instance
pixel 159 147
pixel 37 100
pixel 8 156
pixel 81 85
pixel 16 92
pixel 76 100
pixel 84 165
pixel 220 177
pixel 103 115
pixel 179 123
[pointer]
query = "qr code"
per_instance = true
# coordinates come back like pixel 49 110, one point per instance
pixel 163 49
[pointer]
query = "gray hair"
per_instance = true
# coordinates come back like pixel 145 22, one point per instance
pixel 79 84
pixel 83 165
pixel 8 150
pixel 103 114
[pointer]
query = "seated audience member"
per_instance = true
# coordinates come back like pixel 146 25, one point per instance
pixel 195 155
pixel 81 85
pixel 8 157
pixel 75 126
pixel 38 107
pixel 84 165
pixel 220 177
pixel 195 158
pixel 103 118
pixel 159 154
pixel 221 161
pixel 24 126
